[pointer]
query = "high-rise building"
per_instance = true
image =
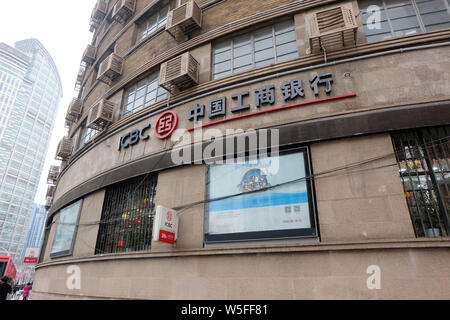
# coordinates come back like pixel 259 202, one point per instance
pixel 303 146
pixel 30 92
pixel 36 229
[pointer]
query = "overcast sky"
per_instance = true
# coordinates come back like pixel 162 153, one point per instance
pixel 62 26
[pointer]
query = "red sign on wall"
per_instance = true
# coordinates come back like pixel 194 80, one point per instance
pixel 166 236
pixel 166 124
pixel 30 260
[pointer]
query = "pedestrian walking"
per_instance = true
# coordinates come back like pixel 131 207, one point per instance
pixel 26 291
pixel 5 288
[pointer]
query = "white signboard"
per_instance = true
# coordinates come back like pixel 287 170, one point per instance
pixel 31 255
pixel 165 225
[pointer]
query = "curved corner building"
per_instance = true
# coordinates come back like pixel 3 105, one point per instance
pixel 303 144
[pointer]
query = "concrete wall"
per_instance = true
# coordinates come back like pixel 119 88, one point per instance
pixel 363 202
pixel 407 273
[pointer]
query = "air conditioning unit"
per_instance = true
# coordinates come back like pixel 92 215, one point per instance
pixel 331 29
pixel 101 115
pixel 74 110
pixel 53 174
pixel 93 24
pixel 64 149
pixel 179 73
pixel 89 54
pixel 184 19
pixel 123 10
pixel 110 68
pixel 80 77
pixel 100 10
pixel 48 202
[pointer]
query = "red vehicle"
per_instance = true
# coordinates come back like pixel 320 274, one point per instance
pixel 7 267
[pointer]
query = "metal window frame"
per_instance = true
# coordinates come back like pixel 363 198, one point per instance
pixel 68 252
pixel 431 191
pixel 120 197
pixel 415 7
pixel 127 91
pixel 86 132
pixel 253 51
pixel 145 29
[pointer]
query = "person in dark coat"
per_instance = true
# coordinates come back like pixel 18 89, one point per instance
pixel 5 288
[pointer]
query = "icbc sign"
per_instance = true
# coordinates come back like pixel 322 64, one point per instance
pixel 166 124
pixel 165 226
pixel 133 137
pixel 31 255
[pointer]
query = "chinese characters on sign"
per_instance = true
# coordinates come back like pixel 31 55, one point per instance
pixel 266 95
pixel 263 96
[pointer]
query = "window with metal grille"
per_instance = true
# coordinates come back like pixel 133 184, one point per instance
pixel 423 157
pixel 143 93
pixel 256 49
pixel 127 218
pixel 385 19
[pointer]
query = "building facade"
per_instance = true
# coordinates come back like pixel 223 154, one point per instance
pixel 30 90
pixel 304 146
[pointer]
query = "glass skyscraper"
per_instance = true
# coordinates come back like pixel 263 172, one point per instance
pixel 30 92
pixel 35 230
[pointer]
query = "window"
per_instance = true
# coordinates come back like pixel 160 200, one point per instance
pixel 236 210
pixel 143 93
pixel 65 230
pixel 155 21
pixel 262 47
pixel 403 17
pixel 424 166
pixel 86 135
pixel 127 217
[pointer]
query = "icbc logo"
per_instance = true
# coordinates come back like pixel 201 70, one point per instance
pixel 166 124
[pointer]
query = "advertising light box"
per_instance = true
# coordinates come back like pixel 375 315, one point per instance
pixel 165 225
pixel 31 255
pixel 251 198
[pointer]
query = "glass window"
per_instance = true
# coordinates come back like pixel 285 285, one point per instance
pixel 65 230
pixel 267 198
pixel 260 48
pixel 127 217
pixel 155 21
pixel 142 94
pixel 424 167
pixel 384 19
pixel 86 135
